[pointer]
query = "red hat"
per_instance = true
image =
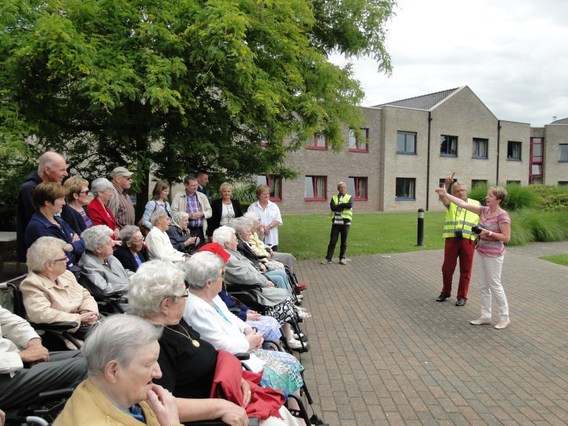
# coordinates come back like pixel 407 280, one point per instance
pixel 217 249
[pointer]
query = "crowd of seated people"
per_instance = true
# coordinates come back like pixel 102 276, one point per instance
pixel 74 233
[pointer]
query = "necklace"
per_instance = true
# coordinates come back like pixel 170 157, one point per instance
pixel 186 335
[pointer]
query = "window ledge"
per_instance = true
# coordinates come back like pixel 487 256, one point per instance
pixel 317 148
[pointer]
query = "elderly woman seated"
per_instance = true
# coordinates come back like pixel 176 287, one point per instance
pixel 99 265
pixel 207 314
pixel 262 250
pixel 158 242
pixel 132 252
pixel 179 233
pixel 274 271
pixel 52 294
pixel 49 198
pixel 189 364
pixel 122 359
pixel 97 209
pixel 240 271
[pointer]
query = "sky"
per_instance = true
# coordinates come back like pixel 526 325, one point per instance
pixel 513 54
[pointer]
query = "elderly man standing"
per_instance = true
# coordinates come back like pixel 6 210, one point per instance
pixel 120 203
pixel 26 366
pixel 196 205
pixel 341 206
pixel 52 167
pixel 460 242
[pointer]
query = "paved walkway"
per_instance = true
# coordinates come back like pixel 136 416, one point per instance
pixel 384 352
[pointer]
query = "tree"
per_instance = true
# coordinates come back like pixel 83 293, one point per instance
pixel 176 86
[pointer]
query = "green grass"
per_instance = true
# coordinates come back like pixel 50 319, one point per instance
pixel 561 259
pixel 307 236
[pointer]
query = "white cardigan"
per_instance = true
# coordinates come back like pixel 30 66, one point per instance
pixel 160 246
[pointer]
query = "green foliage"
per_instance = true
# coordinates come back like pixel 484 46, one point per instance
pixel 551 197
pixel 224 86
pixel 518 197
pixel 544 225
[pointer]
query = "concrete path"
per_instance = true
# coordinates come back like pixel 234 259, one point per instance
pixel 384 352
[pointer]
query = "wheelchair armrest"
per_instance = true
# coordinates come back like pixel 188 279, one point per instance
pixel 55 326
pixel 242 287
pixel 243 356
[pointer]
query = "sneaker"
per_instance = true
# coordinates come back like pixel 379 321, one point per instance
pixel 326 262
pixel 300 336
pixel 301 287
pixel 480 321
pixel 303 314
pixel 342 261
pixel 502 324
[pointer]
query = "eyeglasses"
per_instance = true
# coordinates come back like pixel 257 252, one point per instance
pixel 84 192
pixel 185 295
pixel 62 259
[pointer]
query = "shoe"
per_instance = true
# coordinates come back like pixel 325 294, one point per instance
pixel 300 336
pixel 502 324
pixel 480 321
pixel 301 287
pixel 326 262
pixel 303 314
pixel 300 297
pixel 294 344
pixel 342 261
pixel 442 298
pixel 460 302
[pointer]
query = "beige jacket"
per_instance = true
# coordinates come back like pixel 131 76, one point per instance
pixel 48 302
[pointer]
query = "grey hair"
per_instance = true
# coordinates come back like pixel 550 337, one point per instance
pixel 44 249
pixel 241 224
pixel 178 216
pixel 225 185
pixel 341 183
pixel 202 268
pixel 49 159
pixel 117 338
pixel 253 217
pixel 153 282
pixel 157 215
pixel 127 233
pixel 96 236
pixel 100 185
pixel 223 235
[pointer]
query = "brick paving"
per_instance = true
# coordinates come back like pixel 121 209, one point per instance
pixel 384 352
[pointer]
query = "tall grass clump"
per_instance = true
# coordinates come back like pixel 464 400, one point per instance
pixel 518 197
pixel 544 226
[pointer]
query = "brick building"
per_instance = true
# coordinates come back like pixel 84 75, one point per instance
pixel 408 146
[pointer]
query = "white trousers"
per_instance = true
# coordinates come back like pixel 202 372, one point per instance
pixel 489 275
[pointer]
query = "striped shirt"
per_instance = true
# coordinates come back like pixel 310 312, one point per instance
pixel 492 248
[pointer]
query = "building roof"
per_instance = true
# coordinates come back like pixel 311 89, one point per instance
pixel 561 121
pixel 424 102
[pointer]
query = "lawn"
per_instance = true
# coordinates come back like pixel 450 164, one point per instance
pixel 561 259
pixel 307 236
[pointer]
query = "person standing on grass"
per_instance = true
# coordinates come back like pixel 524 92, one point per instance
pixel 494 232
pixel 460 241
pixel 341 206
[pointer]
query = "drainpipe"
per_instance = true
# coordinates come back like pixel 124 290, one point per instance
pixel 428 161
pixel 498 151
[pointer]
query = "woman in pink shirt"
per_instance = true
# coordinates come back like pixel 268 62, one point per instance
pixel 494 232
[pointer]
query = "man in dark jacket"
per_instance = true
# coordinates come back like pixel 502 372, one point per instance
pixel 52 167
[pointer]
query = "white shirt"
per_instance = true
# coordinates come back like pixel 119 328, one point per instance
pixel 267 216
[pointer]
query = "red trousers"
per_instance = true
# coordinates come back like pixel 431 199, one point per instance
pixel 463 249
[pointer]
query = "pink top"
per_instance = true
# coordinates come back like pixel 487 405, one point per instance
pixel 491 247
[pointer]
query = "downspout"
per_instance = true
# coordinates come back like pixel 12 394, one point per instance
pixel 428 161
pixel 498 151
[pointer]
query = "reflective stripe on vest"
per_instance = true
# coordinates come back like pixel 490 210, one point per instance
pixel 460 221
pixel 346 213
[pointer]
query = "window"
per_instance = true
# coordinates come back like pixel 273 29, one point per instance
pixel 563 183
pixel 315 188
pixel 513 182
pixel 358 187
pixel 478 182
pixel 514 151
pixel 449 146
pixel 319 142
pixel 274 182
pixel 480 148
pixel 359 144
pixel 405 143
pixel 563 152
pixel 405 188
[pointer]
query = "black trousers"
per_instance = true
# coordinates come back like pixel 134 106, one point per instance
pixel 336 231
pixel 198 232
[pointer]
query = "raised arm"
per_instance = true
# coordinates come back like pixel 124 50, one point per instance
pixel 442 192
